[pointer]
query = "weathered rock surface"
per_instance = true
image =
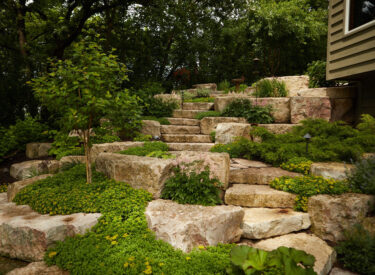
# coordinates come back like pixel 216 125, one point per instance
pixel 237 163
pixel 324 254
pixel 343 109
pixel 112 147
pixel 188 226
pixel 139 172
pixel 37 150
pixel 369 224
pixel 258 196
pixel 331 92
pixel 26 234
pixel 38 268
pixel 170 98
pixel 180 129
pixel 217 162
pixel 185 113
pixel 334 170
pixel 27 169
pixel 151 127
pixel 227 132
pixel 184 121
pixel 208 124
pixel 204 106
pixel 310 107
pixel 64 161
pixel 185 138
pixel 208 86
pixel 332 215
pixel 16 187
pixel 278 128
pixel 263 175
pixel 293 83
pixel 368 155
pixel 339 271
pixel 260 223
pixel 200 147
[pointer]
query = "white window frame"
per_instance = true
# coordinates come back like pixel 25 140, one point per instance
pixel 346 21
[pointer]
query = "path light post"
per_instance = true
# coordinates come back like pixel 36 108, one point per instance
pixel 307 137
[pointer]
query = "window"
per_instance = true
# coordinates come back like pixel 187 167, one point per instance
pixel 359 13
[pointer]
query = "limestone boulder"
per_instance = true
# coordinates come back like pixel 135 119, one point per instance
pixel 184 121
pixel 208 86
pixel 332 215
pixel 151 127
pixel 180 129
pixel 179 113
pixel 38 268
pixel 69 160
pixel 15 187
pixel 27 169
pixel 302 108
pixel 293 83
pixel 261 223
pixel 331 92
pixel 218 163
pixel 339 271
pixel 200 147
pixel 227 132
pixel 258 175
pixel 368 155
pixel 186 138
pixel 208 124
pixel 325 255
pixel 189 226
pixel 369 224
pixel 37 150
pixel 343 109
pixel 333 170
pixel 204 106
pixel 279 128
pixel 237 163
pixel 26 234
pixel 139 172
pixel 112 147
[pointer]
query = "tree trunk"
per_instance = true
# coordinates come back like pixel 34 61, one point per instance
pixel 86 141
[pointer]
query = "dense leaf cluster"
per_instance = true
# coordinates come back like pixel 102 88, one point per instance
pixel 147 148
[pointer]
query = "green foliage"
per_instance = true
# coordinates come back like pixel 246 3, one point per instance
pixel 252 113
pixel 270 88
pixel 63 145
pixel 142 137
pixel 161 120
pixel 283 260
pixel 207 114
pixel 147 148
pixel 121 242
pixel 307 186
pixel 316 71
pixel 3 188
pixel 160 108
pixel 298 164
pixel 213 136
pixel 161 154
pixel 191 187
pixel 362 179
pixel 224 86
pixel 203 93
pixel 357 251
pixel 367 124
pixel 200 99
pixel 240 148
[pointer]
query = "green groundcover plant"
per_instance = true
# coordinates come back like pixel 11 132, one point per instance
pixel 270 88
pixel 3 188
pixel 299 165
pixel 362 180
pixel 202 115
pixel 147 148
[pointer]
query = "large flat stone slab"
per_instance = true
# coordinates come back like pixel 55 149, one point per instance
pixel 204 106
pixel 199 147
pixel 180 129
pixel 333 170
pixel 261 223
pixel 208 86
pixel 185 138
pixel 258 196
pixel 332 215
pixel 262 175
pixel 331 92
pixel 112 147
pixel 37 150
pixel 208 124
pixel 237 163
pixel 302 108
pixel 293 83
pixel 26 234
pixel 184 121
pixel 151 127
pixel 325 255
pixel 38 268
pixel 139 172
pixel 15 187
pixel 27 169
pixel 185 113
pixel 187 226
pixel 228 132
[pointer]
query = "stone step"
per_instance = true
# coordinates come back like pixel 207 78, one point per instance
pixel 26 234
pixel 186 138
pixel 258 196
pixel 333 170
pixel 255 175
pixel 200 147
pixel 261 223
pixel 179 129
pixel 184 121
pixel 203 106
pixel 185 113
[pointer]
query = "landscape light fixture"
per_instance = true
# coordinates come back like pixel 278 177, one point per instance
pixel 307 137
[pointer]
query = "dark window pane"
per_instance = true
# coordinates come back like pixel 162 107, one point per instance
pixel 361 12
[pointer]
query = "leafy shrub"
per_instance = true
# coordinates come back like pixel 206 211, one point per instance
pixel 252 113
pixel 316 71
pixel 200 99
pixel 299 165
pixel 207 114
pixel 3 188
pixel 240 148
pixel 160 108
pixel 188 96
pixel 147 148
pixel 224 86
pixel 142 137
pixel 192 187
pixel 357 251
pixel 121 242
pixel 307 186
pixel 161 120
pixel 161 154
pixel 213 136
pixel 63 145
pixel 270 88
pixel 283 260
pixel 242 88
pixel 203 93
pixel 362 180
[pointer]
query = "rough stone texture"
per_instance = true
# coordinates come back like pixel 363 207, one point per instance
pixel 151 127
pixel 112 148
pixel 369 224
pixel 262 175
pixel 339 271
pixel 217 162
pixel 186 138
pixel 185 113
pixel 180 129
pixel 208 124
pixel 325 255
pixel 26 169
pixel 170 98
pixel 334 170
pixel 200 147
pixel 188 226
pixel 184 121
pixel 278 128
pixel 37 150
pixel 331 92
pixel 76 133
pixel 227 132
pixel 208 86
pixel 261 223
pixel 294 83
pixel 236 163
pixel 368 155
pixel 343 109
pixel 139 172
pixel 310 107
pixel 64 161
pixel 38 268
pixel 16 187
pixel 204 106
pixel 332 215
pixel 258 196
pixel 26 234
